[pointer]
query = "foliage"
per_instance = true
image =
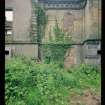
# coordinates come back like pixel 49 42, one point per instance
pixel 41 24
pixel 56 48
pixel 41 21
pixel 30 83
pixel 55 53
pixel 60 35
pixel 41 18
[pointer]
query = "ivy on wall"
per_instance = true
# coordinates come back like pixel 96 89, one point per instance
pixel 41 24
pixel 55 50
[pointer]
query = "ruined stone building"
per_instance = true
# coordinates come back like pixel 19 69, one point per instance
pixel 81 19
pixel 18 38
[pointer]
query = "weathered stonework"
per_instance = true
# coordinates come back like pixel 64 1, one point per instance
pixel 30 51
pixel 21 18
pixel 68 21
pixel 22 22
pixel 70 59
pixel 80 23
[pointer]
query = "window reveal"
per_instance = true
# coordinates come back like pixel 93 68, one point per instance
pixel 8 21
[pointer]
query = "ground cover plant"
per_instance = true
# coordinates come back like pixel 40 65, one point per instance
pixel 31 83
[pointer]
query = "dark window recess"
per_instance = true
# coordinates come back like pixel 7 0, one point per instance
pixel 99 52
pixel 57 5
pixel 93 42
pixel 73 4
pixel 6 52
pixel 92 46
pixel 91 57
pixel 48 4
pixel 67 5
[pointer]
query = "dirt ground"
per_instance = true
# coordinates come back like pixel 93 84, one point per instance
pixel 86 99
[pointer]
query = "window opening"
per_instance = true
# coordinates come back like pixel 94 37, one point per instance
pixel 8 21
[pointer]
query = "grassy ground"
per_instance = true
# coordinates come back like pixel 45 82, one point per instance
pixel 31 83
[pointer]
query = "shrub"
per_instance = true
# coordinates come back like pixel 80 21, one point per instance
pixel 30 83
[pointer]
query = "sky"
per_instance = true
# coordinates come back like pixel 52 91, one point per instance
pixel 9 15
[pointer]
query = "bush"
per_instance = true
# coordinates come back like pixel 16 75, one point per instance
pixel 30 83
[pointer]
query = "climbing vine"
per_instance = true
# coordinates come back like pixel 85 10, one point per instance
pixel 50 52
pixel 56 48
pixel 41 24
pixel 60 36
pixel 41 21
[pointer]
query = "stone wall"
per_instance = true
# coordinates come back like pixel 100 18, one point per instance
pixel 21 18
pixel 71 21
pixel 81 25
pixel 22 21
pixel 92 19
pixel 30 51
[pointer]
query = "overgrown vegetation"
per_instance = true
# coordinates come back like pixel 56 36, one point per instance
pixel 56 48
pixel 30 83
pixel 55 53
pixel 41 24
pixel 60 36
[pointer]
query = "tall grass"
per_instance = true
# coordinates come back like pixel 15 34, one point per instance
pixel 30 83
